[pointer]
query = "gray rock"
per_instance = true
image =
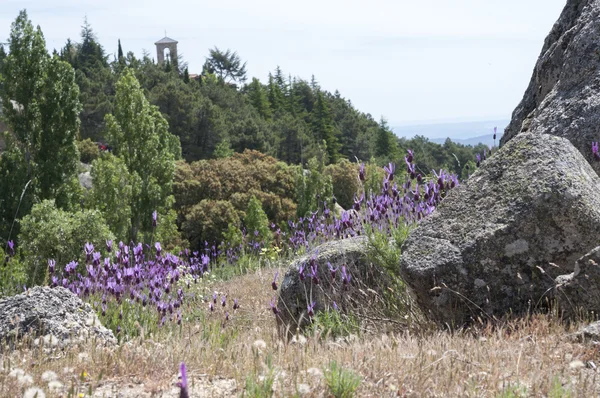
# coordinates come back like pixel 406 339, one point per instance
pixel 578 293
pixel 368 283
pixel 590 332
pixel 54 313
pixel 563 96
pixel 486 251
pixel 85 180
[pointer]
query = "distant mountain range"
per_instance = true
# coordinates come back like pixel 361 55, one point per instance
pixel 466 133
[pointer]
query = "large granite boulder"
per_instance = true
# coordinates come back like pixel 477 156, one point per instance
pixel 578 293
pixel 55 314
pixel 563 96
pixel 365 283
pixel 496 243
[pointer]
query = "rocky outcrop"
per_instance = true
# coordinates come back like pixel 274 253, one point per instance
pixel 363 284
pixel 56 314
pixel 563 96
pixel 578 293
pixel 496 243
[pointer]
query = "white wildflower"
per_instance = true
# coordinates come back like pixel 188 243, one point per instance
pixel 34 392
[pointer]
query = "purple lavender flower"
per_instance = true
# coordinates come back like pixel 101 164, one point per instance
pixel 11 248
pixel 390 169
pixel 595 151
pixel 51 265
pixel 495 128
pixel 154 218
pixel 223 301
pixel 478 157
pixel 361 172
pixel 236 305
pixel 215 297
pixel 183 384
pixel 211 307
pixel 301 271
pixel 109 244
pixel 331 270
pixel 274 306
pixel 311 309
pixel 274 283
pixel 346 277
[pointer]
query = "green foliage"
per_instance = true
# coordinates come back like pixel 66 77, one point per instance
pixel 342 383
pixel 13 275
pixel 41 107
pixel 324 130
pixel 51 233
pixel 344 177
pixel 313 188
pixel 140 137
pixel 227 65
pixel 88 151
pixel 386 145
pixel 256 221
pixel 112 191
pixel 333 324
pixel 513 391
pixel 207 220
pixel 223 150
pixel 233 180
pixel 260 388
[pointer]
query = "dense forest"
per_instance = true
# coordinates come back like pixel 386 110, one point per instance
pixel 175 157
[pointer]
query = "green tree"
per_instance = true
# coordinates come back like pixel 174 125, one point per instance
pixel 313 188
pixel 139 135
pixel 223 150
pixel 386 145
pixel 120 52
pixel 227 65
pixel 324 129
pixel 258 98
pixel 41 105
pixel 256 220
pixel 112 193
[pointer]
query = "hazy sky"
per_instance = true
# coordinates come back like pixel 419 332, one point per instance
pixel 406 60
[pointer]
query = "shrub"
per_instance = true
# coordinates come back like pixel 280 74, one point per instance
pixel 344 177
pixel 207 220
pixel 234 180
pixel 51 233
pixel 256 221
pixel 313 188
pixel 88 151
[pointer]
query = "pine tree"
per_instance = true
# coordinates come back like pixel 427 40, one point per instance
pixel 120 57
pixel 258 98
pixel 275 95
pixel 323 128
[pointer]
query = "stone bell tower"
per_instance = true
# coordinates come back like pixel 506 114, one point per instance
pixel 169 43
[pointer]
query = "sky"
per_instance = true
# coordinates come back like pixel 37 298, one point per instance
pixel 409 61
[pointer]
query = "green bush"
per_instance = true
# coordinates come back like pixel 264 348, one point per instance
pixel 344 177
pixel 313 187
pixel 12 274
pixel 256 221
pixel 207 220
pixel 50 233
pixel 88 151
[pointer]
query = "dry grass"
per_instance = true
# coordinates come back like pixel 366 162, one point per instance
pixel 534 357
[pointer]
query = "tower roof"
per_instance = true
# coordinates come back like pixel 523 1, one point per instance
pixel 166 40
